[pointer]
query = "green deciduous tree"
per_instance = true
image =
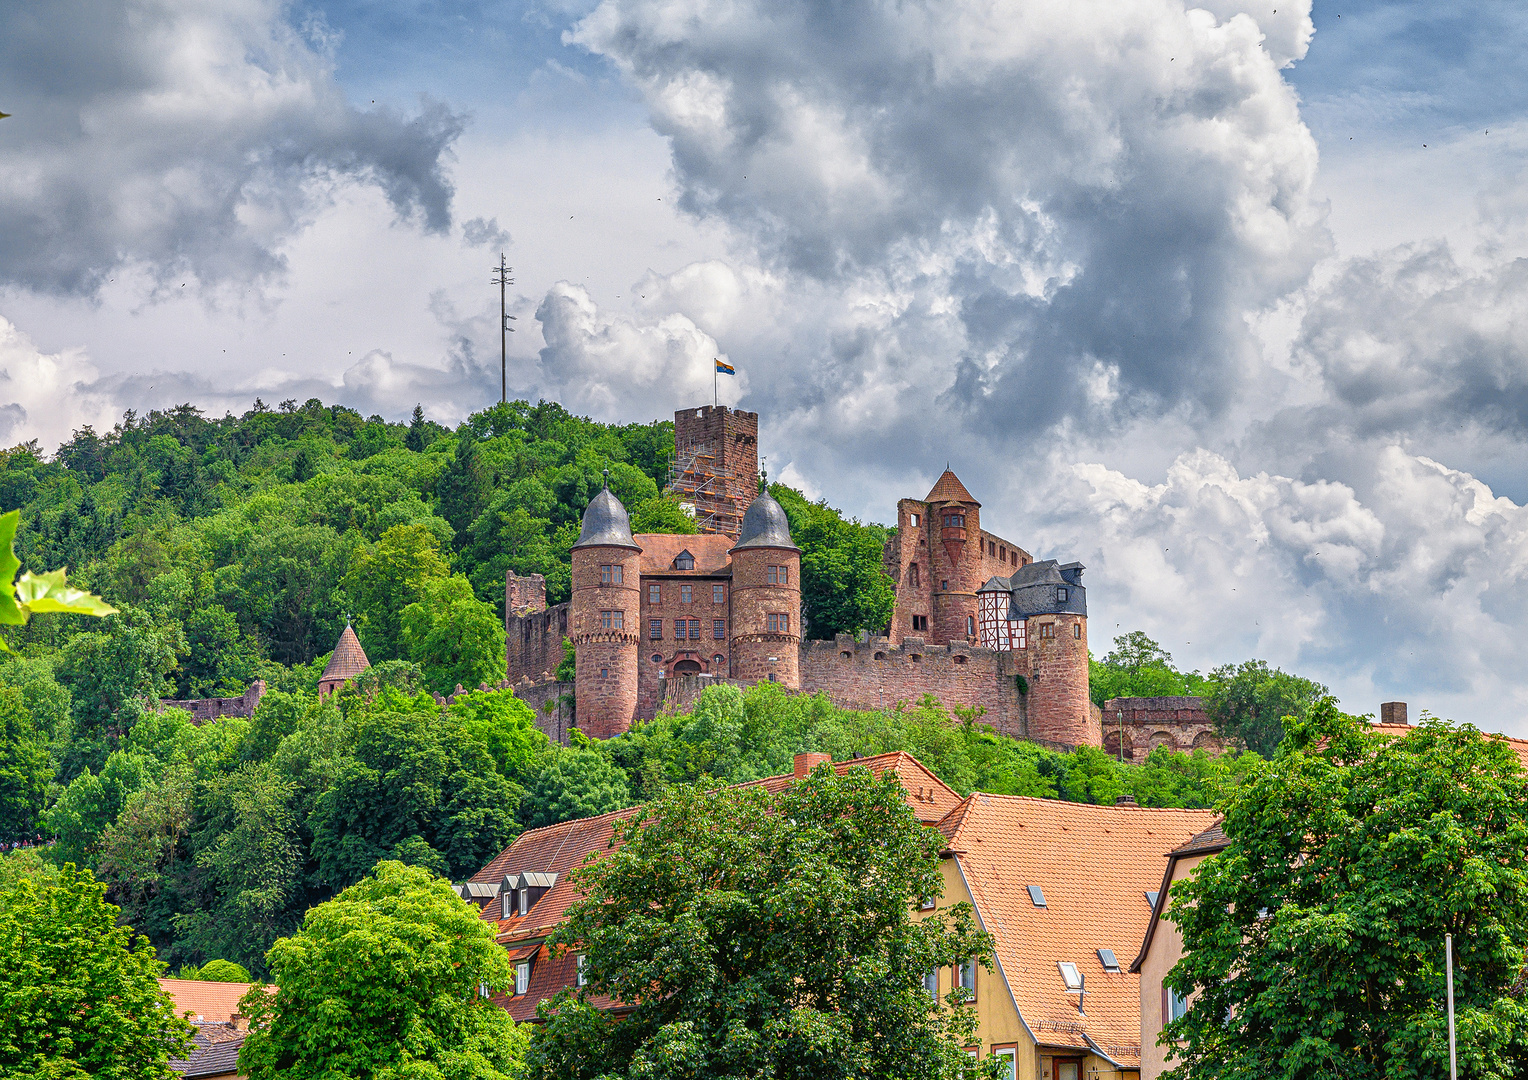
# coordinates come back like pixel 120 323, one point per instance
pixel 575 783
pixel 1314 943
pixel 385 578
pixel 453 636
pixel 25 767
pixel 1249 702
pixel 80 992
pixel 466 485
pixel 760 937
pixel 382 983
pixel 1138 667
pixel 843 587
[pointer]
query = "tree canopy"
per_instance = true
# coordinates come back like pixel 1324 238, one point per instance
pixel 389 980
pixel 781 944
pixel 1314 944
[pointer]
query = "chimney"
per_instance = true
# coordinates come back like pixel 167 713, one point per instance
pixel 1393 712
pixel 805 763
pixel 239 1022
pixel 1127 799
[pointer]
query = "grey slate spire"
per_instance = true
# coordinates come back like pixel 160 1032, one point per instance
pixel 765 525
pixel 606 524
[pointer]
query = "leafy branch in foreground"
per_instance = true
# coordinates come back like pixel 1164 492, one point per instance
pixel 37 594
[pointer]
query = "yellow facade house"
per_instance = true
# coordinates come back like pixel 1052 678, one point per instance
pixel 1066 890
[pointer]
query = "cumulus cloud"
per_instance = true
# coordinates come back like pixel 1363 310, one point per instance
pixel 485 232
pixel 187 139
pixel 1066 211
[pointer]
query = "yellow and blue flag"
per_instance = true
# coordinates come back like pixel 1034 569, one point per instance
pixel 724 369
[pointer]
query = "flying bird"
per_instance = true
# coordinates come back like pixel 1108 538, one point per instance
pixel 3 115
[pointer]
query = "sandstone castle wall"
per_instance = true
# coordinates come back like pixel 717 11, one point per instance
pixel 204 709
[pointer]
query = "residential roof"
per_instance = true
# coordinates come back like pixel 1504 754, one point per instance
pixel 660 549
pixel 1094 865
pixel 349 659
pixel 1396 731
pixel 948 488
pixel 765 525
pixel 605 523
pixel 1207 842
pixel 214 1002
pixel 559 848
pixel 216 1053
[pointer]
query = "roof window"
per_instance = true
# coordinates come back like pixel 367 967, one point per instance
pixel 684 561
pixel 1106 958
pixel 1151 898
pixel 1037 895
pixel 1070 975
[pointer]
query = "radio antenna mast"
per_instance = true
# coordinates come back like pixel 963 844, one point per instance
pixel 502 279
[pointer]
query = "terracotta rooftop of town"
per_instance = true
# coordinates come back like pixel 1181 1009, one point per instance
pixel 557 849
pixel 1094 866
pixel 349 659
pixel 948 488
pixel 214 1002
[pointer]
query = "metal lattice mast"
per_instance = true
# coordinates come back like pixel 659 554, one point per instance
pixel 502 279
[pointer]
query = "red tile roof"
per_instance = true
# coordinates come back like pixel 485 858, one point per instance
pixel 948 488
pixel 1094 864
pixel 349 659
pixel 559 848
pixel 1396 731
pixel 214 1002
pixel 659 549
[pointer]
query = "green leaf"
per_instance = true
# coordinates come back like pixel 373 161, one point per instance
pixel 50 593
pixel 10 612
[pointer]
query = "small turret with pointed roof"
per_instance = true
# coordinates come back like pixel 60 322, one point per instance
pixel 347 661
pixel 605 523
pixel 765 525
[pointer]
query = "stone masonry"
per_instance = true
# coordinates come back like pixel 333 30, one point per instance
pixel 1178 723
pixel 204 709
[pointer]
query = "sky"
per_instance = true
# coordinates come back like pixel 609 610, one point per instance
pixel 1227 301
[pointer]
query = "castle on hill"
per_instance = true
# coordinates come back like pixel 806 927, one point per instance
pixel 976 623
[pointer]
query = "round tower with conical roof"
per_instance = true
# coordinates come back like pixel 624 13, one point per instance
pixel 955 560
pixel 346 662
pixel 766 598
pixel 603 618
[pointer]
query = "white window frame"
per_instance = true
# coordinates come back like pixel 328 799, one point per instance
pixel 507 904
pixel 581 972
pixel 522 977
pixel 1011 1055
pixel 931 983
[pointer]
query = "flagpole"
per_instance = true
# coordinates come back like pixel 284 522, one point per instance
pixel 716 399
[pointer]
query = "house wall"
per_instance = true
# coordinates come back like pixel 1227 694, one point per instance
pixel 1166 950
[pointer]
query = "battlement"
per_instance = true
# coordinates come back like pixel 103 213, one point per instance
pixel 204 709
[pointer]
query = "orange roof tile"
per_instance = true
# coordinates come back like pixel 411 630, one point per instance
pixel 659 549
pixel 948 488
pixel 559 848
pixel 349 659
pixel 1094 865
pixel 215 1002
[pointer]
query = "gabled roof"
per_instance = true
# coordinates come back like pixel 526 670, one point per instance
pixel 660 549
pixel 948 488
pixel 1207 842
pixel 1094 864
pixel 214 1002
pixel 349 659
pixel 216 1053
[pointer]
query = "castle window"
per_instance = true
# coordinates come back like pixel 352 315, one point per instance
pixel 686 627
pixel 912 520
pixel 1060 596
pixel 1077 631
pixel 944 586
pixel 657 658
pixel 655 594
pixel 719 629
pixel 686 594
pixel 954 521
pixel 1047 630
pixel 684 561
pixel 718 594
pixel 920 622
pixel 970 624
pixel 718 662
pixel 991 547
pixel 1014 557
pixel 1002 553
pixel 655 629
pixel 912 574
pixel 772 676
pixel 604 673
pixel 777 575
pixel 610 575
pixel 777 623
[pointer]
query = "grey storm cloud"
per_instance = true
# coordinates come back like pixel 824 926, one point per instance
pixel 187 139
pixel 1040 214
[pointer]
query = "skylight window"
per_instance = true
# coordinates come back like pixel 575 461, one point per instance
pixel 1106 958
pixel 1151 898
pixel 1036 895
pixel 1070 975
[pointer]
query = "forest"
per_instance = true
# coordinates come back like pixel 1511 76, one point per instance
pixel 237 548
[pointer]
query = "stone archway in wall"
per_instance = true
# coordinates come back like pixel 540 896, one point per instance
pixel 687 667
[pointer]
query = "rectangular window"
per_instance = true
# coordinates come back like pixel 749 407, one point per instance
pixel 604 620
pixel 928 903
pixel 655 629
pixel 522 977
pixel 1047 630
pixel 718 594
pixel 1013 557
pixel 920 622
pixel 654 594
pixel 1107 958
pixel 1060 596
pixel 965 977
pixel 944 586
pixel 777 623
pixel 912 520
pixel 912 574
pixel 1077 631
pixel 583 974
pixel 719 629
pixel 482 990
pixel 769 576
pixel 507 904
pixel 694 629
pixel 686 593
pixel 525 900
pixel 1177 1005
pixel 1005 1067
pixel 1018 634
pixel 931 984
pixel 610 575
pixel 612 620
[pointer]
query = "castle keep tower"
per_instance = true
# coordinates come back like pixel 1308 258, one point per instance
pixel 605 612
pixel 766 597
pixel 955 559
pixel 716 465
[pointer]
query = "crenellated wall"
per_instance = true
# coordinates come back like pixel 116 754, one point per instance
pixel 204 709
pixel 533 643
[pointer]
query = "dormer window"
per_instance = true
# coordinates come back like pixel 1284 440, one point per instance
pixel 522 977
pixel 684 561
pixel 525 898
pixel 507 904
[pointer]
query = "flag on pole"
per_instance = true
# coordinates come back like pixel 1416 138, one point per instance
pixel 724 369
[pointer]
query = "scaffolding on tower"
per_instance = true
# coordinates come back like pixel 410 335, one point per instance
pixel 702 489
